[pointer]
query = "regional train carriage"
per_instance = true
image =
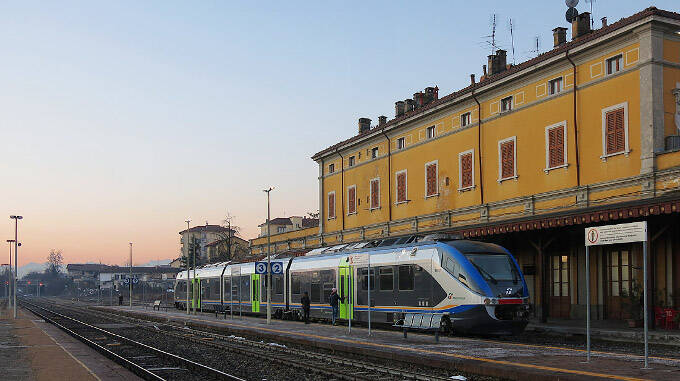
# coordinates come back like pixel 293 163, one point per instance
pixel 477 286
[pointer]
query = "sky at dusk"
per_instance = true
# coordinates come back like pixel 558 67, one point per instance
pixel 120 120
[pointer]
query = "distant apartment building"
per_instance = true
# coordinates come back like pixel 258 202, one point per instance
pixel 211 241
pixel 287 224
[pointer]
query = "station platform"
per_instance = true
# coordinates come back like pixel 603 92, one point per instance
pixel 31 349
pixel 487 357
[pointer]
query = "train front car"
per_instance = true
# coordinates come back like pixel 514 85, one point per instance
pixel 486 284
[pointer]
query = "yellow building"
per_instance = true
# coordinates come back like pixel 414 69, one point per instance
pixel 528 156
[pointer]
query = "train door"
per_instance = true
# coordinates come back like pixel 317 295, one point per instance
pixel 346 291
pixel 195 293
pixel 560 302
pixel 255 291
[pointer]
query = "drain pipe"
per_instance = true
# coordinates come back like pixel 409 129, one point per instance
pixel 389 176
pixel 479 147
pixel 578 166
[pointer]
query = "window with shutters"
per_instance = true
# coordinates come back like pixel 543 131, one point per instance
pixel 555 86
pixel 400 179
pixel 352 200
pixel 401 143
pixel 431 183
pixel 615 130
pixel 506 159
pixel 556 146
pixel 465 119
pixel 374 152
pixel 431 132
pixel 352 161
pixel 506 104
pixel 331 205
pixel 331 168
pixel 614 64
pixel 466 170
pixel 375 194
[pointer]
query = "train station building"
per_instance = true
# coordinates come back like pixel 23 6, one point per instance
pixel 528 156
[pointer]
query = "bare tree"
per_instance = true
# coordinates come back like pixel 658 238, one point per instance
pixel 54 261
pixel 227 247
pixel 313 214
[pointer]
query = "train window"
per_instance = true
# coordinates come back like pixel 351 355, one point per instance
pixel 216 288
pixel 451 266
pixel 406 278
pixel 327 287
pixel 315 295
pixel 363 275
pixel 295 284
pixel 386 278
pixel 278 284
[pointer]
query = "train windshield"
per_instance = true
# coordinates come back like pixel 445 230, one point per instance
pixel 494 267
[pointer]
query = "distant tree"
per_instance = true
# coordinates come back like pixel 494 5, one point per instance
pixel 54 261
pixel 313 214
pixel 227 247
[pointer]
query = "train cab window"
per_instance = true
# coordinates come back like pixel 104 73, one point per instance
pixel 315 294
pixel 451 266
pixel 363 275
pixel 295 284
pixel 406 278
pixel 386 278
pixel 278 284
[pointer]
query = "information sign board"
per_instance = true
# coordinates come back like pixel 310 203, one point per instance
pixel 277 267
pixel 620 233
pixel 260 267
pixel 358 259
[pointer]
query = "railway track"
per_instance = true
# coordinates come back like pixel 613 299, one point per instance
pixel 332 367
pixel 146 361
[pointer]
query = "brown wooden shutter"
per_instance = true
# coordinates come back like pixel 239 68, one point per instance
pixel 556 147
pixel 466 170
pixel 507 159
pixel 431 173
pixel 615 132
pixel 351 200
pixel 401 187
pixel 375 194
pixel 331 205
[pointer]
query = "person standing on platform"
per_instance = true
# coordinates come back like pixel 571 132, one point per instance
pixel 334 300
pixel 305 306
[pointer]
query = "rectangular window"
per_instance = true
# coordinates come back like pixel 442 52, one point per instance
pixel 363 275
pixel 374 152
pixel 315 292
pixel 331 168
pixel 431 184
pixel 555 142
pixel 614 64
pixel 555 86
pixel 375 194
pixel 466 170
pixel 278 284
pixel 401 186
pixel 506 104
pixel 281 229
pixel 352 199
pixel 386 278
pixel 506 159
pixel 352 160
pixel 465 119
pixel 401 143
pixel 295 284
pixel 406 278
pixel 331 205
pixel 615 131
pixel 431 133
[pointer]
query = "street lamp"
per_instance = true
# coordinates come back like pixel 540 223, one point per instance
pixel 16 248
pixel 130 275
pixel 186 249
pixel 269 262
pixel 10 241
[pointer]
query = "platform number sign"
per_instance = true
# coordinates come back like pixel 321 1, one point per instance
pixel 260 267
pixel 277 267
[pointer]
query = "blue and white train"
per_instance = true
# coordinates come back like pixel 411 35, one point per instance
pixel 477 286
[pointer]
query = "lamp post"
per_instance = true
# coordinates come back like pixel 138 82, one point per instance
pixel 16 248
pixel 9 285
pixel 269 261
pixel 186 247
pixel 130 283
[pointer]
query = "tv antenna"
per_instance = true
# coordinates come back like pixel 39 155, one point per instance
pixel 512 43
pixel 537 46
pixel 592 19
pixel 492 36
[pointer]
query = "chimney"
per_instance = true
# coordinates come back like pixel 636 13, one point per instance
pixel 483 70
pixel 431 94
pixel 382 119
pixel 472 79
pixel 559 36
pixel 419 99
pixel 364 125
pixel 497 62
pixel 580 26
pixel 399 107
pixel 604 22
pixel 410 105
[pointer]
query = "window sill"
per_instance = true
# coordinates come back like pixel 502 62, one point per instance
pixel 351 214
pixel 558 167
pixel 331 218
pixel 372 209
pixel 432 195
pixel 467 188
pixel 507 178
pixel 401 202
pixel 606 156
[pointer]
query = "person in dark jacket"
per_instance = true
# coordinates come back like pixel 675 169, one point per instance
pixel 305 306
pixel 334 300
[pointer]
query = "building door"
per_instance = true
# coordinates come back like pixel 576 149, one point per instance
pixel 560 303
pixel 619 275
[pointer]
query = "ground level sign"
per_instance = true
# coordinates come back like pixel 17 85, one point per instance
pixel 609 235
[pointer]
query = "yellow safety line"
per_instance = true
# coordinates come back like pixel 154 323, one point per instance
pixel 501 362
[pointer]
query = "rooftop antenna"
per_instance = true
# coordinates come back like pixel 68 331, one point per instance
pixel 492 36
pixel 592 19
pixel 537 46
pixel 512 42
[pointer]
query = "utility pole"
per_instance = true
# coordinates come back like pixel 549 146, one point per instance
pixel 9 284
pixel 269 261
pixel 16 258
pixel 186 246
pixel 196 289
pixel 130 283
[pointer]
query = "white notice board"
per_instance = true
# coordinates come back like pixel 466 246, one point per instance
pixel 620 233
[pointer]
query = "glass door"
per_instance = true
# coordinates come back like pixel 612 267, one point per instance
pixel 560 303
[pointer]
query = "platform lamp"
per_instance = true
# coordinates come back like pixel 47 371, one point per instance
pixel 130 283
pixel 186 247
pixel 269 261
pixel 16 248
